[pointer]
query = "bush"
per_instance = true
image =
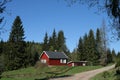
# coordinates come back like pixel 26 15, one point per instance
pixel 1 65
pixel 105 74
pixel 118 71
pixel 117 63
pixel 40 65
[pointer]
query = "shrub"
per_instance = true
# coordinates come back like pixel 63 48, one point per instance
pixel 105 74
pixel 40 65
pixel 117 63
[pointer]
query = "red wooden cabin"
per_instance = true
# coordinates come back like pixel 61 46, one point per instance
pixel 53 58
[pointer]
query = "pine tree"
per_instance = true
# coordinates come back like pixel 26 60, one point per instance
pixel 114 56
pixel 1 57
pixel 50 43
pixel 45 43
pixel 98 43
pixel 92 48
pixel 109 56
pixel 85 47
pixel 61 46
pixel 54 40
pixel 17 32
pixel 1 47
pixel 80 53
pixel 17 45
pixel 73 55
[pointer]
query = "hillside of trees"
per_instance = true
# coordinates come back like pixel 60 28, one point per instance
pixel 17 53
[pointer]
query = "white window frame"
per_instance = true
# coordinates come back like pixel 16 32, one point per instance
pixel 43 61
pixel 63 61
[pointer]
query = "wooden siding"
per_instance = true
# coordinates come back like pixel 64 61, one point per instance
pixel 44 56
pixel 56 62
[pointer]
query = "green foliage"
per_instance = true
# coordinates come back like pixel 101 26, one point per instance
pixel 87 49
pixel 114 56
pixel 117 63
pixel 15 51
pixel 105 75
pixel 109 57
pixel 80 53
pixel 55 42
pixel 61 42
pixel 45 46
pixel 93 48
pixel 17 31
pixel 98 43
pixel 2 66
pixel 32 73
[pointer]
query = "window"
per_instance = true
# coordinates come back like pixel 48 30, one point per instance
pixel 63 61
pixel 43 60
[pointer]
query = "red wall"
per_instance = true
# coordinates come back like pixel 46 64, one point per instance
pixel 56 62
pixel 44 56
pixel 51 61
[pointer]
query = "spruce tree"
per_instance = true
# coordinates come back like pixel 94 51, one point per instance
pixel 54 40
pixel 1 57
pixel 61 42
pixel 109 56
pixel 17 54
pixel 50 43
pixel 80 53
pixel 114 55
pixel 45 43
pixel 17 32
pixel 98 43
pixel 92 48
pixel 85 47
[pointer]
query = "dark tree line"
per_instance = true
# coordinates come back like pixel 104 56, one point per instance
pixel 16 53
pixel 90 49
pixel 55 42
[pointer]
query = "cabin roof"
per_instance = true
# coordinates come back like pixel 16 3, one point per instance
pixel 56 55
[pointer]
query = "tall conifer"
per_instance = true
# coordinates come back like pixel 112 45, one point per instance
pixel 17 54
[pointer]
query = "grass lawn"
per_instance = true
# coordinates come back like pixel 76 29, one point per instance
pixel 33 73
pixel 107 75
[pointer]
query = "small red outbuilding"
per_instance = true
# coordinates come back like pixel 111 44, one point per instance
pixel 79 63
pixel 54 58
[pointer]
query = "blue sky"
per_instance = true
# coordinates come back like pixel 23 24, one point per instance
pixel 41 16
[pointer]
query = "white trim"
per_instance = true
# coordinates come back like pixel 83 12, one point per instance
pixel 43 53
pixel 73 64
pixel 43 61
pixel 63 61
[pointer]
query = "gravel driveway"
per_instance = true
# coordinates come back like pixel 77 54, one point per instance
pixel 85 75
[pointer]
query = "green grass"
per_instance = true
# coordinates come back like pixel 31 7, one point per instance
pixel 33 73
pixel 107 75
pixel 79 69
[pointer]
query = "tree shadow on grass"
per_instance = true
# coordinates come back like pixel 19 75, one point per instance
pixel 42 79
pixel 55 77
pixel 62 76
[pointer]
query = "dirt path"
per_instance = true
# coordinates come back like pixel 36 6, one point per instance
pixel 85 75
